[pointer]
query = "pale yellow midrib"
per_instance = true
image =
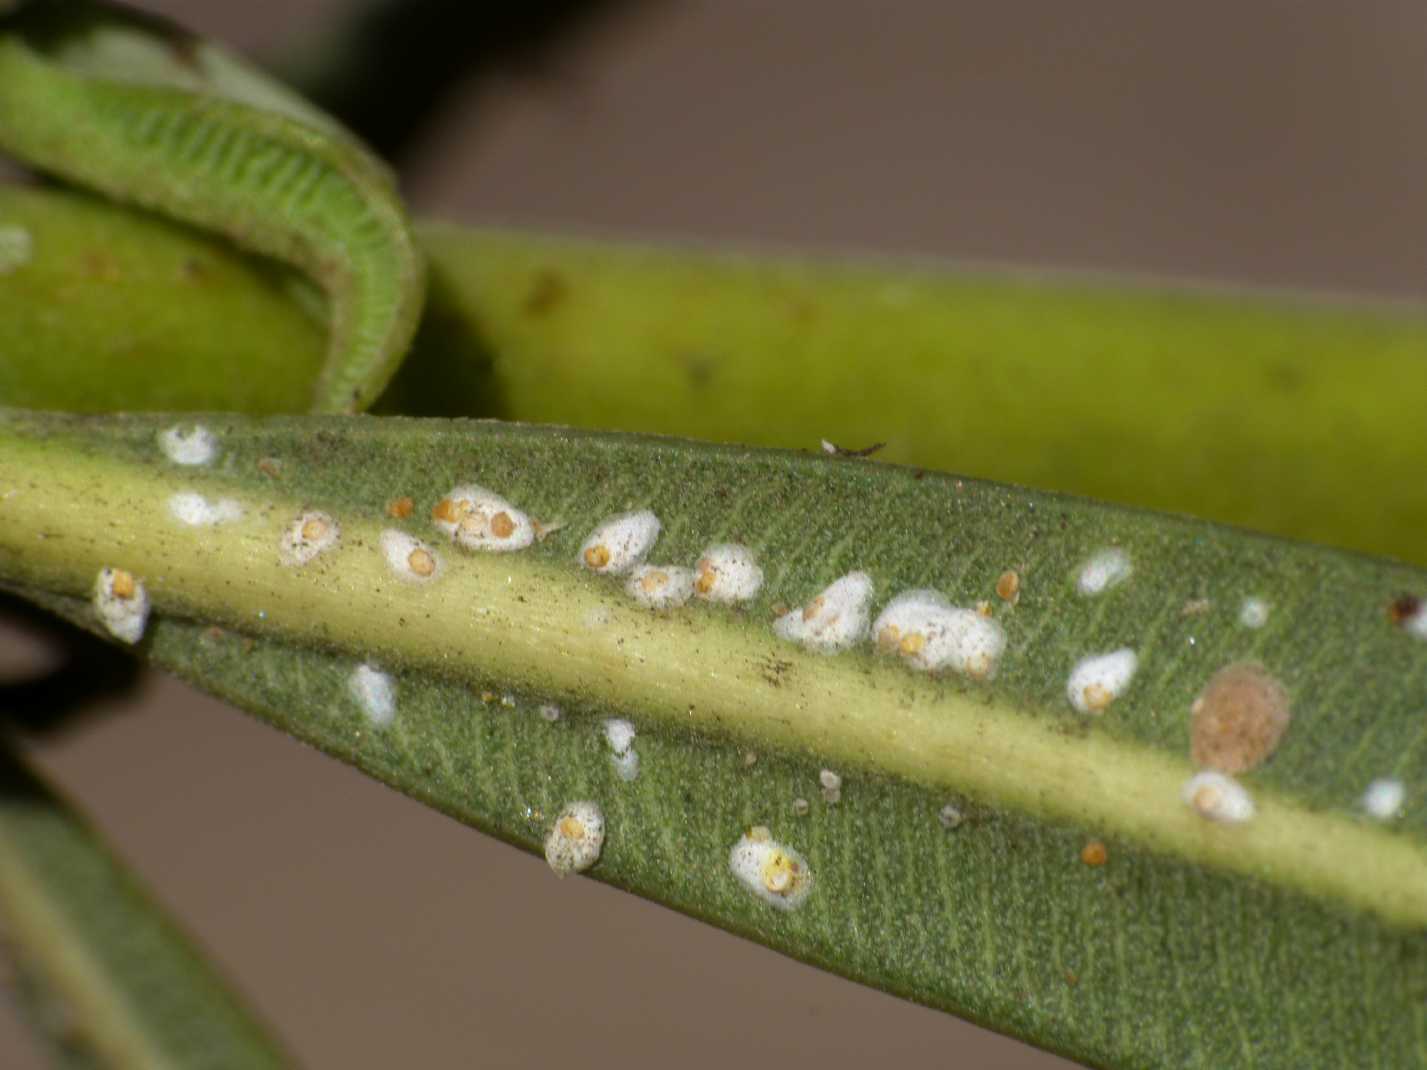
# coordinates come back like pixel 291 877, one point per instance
pixel 890 720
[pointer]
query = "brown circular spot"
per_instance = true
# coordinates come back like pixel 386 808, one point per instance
pixel 597 557
pixel 122 584
pixel 1094 854
pixel 572 828
pixel 1097 697
pixel 708 576
pixel 1238 719
pixel 400 508
pixel 912 643
pixel 421 562
pixel 1008 586
pixel 313 529
pixel 1403 608
pixel 502 526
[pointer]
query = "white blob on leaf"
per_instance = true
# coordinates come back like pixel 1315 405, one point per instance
pixel 930 634
pixel 121 603
pixel 193 445
pixel 1097 681
pixel 1218 798
pixel 375 692
pixel 310 534
pixel 660 586
pixel 619 734
pixel 831 786
pixel 576 839
pixel 16 247
pixel 409 558
pixel 1253 613
pixel 727 573
pixel 1104 570
pixel 775 874
pixel 479 519
pixel 197 511
pixel 620 543
pixel 1416 622
pixel 1383 799
pixel 835 620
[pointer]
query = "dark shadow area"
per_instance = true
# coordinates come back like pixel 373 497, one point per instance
pixel 89 670
pixel 385 68
pixel 450 370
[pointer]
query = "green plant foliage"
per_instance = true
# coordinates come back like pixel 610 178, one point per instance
pixel 151 115
pixel 1283 414
pixel 114 309
pixel 1286 416
pixel 105 977
pixel 1292 939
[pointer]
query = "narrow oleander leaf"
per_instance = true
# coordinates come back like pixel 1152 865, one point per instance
pixel 1287 414
pixel 103 974
pixel 945 737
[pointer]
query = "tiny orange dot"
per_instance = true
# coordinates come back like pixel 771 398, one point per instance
pixel 597 556
pixel 400 508
pixel 653 580
pixel 445 511
pixel 1008 586
pixel 314 529
pixel 122 584
pixel 421 562
pixel 813 608
pixel 1097 697
pixel 708 576
pixel 912 643
pixel 1094 854
pixel 572 828
pixel 502 526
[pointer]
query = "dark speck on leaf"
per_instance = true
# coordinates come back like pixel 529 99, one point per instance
pixel 547 291
pixel 1403 608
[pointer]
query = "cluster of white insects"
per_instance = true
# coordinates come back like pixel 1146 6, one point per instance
pixel 1237 721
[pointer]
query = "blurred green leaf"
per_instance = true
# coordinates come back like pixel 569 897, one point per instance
pixel 103 308
pixel 103 974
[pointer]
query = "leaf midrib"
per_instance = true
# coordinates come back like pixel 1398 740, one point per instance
pixel 523 619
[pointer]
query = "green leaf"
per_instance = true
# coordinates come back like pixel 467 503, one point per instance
pixel 1293 939
pixel 113 309
pixel 1290 415
pixel 102 972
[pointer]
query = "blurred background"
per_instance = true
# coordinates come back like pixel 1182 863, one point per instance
pixel 1275 144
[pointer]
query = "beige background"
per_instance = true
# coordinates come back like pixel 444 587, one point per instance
pixel 1279 143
